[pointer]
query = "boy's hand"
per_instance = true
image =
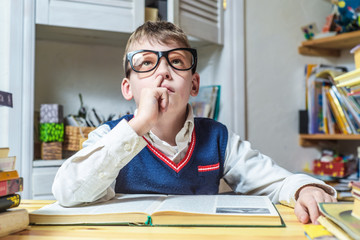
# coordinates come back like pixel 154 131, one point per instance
pixel 153 102
pixel 306 208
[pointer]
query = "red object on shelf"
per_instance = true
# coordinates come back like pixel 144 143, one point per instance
pixel 334 169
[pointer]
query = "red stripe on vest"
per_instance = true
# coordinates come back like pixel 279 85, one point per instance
pixel 169 162
pixel 208 168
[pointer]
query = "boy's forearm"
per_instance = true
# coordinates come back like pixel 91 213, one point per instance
pixel 86 176
pixel 139 126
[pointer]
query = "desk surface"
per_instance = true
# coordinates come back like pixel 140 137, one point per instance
pixel 293 230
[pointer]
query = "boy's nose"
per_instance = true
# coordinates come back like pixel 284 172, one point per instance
pixel 163 68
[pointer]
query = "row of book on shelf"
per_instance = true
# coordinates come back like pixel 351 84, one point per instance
pixel 340 220
pixel 333 98
pixel 331 108
pixel 11 184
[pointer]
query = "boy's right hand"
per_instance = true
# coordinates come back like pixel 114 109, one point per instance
pixel 152 104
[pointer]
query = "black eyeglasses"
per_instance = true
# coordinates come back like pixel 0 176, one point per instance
pixel 142 61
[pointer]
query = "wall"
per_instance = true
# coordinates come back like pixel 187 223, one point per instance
pixel 275 75
pixel 4 68
pixel 65 69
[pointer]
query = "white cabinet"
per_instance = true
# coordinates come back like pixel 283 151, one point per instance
pixel 107 15
pixel 199 19
pixel 43 175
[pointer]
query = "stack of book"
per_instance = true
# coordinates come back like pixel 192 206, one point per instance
pixel 343 218
pixel 11 220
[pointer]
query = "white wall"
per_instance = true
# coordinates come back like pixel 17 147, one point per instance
pixel 275 75
pixel 64 69
pixel 4 68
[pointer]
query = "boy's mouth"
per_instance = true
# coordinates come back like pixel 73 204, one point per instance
pixel 169 89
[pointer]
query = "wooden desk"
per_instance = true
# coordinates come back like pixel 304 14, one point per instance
pixel 293 230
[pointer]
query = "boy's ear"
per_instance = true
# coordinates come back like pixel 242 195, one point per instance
pixel 126 89
pixel 195 84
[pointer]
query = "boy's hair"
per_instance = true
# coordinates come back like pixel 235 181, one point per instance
pixel 159 32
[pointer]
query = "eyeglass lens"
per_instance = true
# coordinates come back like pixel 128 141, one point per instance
pixel 178 59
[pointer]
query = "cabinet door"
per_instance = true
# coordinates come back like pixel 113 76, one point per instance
pixel 43 178
pixel 108 15
pixel 198 18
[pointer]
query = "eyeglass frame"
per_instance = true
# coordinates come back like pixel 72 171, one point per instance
pixel 160 54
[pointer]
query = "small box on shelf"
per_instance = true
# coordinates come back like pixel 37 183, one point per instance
pixel 51 113
pixel 51 150
pixel 51 132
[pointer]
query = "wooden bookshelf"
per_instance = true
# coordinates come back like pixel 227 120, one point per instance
pixel 330 46
pixel 307 140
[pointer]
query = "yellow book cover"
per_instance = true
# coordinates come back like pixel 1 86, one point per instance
pixel 339 120
pixel 333 228
pixel 348 79
pixel 317 232
pixel 340 214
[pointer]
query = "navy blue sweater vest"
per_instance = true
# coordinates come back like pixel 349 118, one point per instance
pixel 199 172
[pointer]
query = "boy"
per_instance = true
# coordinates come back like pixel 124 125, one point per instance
pixel 164 149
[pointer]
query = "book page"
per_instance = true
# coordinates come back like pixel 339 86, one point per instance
pixel 120 204
pixel 219 204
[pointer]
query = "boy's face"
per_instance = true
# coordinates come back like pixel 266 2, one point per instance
pixel 180 84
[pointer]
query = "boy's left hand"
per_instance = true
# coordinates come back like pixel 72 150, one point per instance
pixel 306 208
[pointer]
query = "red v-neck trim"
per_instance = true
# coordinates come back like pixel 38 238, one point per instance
pixel 169 162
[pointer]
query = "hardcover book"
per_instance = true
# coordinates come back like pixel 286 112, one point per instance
pixel 12 186
pixel 9 175
pixel 13 220
pixel 9 201
pixel 163 210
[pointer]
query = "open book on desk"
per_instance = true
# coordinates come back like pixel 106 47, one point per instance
pixel 166 210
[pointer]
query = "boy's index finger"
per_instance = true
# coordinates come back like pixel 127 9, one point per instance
pixel 158 80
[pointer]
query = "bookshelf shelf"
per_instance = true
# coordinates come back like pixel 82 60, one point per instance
pixel 314 139
pixel 330 46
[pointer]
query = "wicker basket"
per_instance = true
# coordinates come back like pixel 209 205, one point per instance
pixel 74 136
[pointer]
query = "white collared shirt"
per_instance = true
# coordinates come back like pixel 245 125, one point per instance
pixel 90 174
pixel 182 140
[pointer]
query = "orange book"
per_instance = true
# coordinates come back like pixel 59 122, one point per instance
pixel 8 175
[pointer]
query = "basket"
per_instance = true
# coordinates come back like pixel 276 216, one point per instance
pixel 74 137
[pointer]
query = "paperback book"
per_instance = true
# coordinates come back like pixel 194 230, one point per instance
pixel 338 216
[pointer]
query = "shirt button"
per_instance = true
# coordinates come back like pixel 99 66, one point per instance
pixel 127 147
pixel 101 175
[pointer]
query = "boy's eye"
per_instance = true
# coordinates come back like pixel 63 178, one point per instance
pixel 147 63
pixel 144 61
pixel 177 62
